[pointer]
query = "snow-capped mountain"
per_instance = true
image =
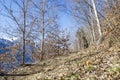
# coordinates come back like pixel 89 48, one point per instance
pixel 17 54
pixel 4 44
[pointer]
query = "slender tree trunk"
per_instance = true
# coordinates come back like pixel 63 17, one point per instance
pixel 97 19
pixel 92 27
pixel 24 32
pixel 43 32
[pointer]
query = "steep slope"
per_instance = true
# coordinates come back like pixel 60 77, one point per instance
pixel 95 63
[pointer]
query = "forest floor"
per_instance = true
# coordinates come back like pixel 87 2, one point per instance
pixel 94 63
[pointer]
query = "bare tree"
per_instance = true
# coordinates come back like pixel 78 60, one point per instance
pixel 20 21
pixel 86 13
pixel 43 28
pixel 83 13
pixel 46 18
pixel 97 19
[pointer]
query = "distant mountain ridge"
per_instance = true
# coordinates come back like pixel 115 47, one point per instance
pixel 7 47
pixel 3 44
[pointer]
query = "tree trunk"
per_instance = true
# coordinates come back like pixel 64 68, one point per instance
pixel 92 27
pixel 43 32
pixel 24 32
pixel 98 22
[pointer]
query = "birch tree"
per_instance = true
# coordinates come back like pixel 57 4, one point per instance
pixel 97 20
pixel 83 13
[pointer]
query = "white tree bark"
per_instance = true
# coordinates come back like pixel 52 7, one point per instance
pixel 97 19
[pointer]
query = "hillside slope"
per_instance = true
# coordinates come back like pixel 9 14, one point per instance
pixel 94 63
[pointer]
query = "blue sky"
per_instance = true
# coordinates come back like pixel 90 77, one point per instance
pixel 65 21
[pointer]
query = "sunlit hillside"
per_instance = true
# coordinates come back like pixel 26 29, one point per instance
pixel 59 40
